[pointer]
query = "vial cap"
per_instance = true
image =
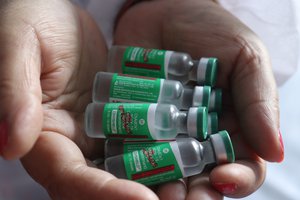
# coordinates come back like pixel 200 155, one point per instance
pixel 223 147
pixel 201 96
pixel 212 123
pixel 211 71
pixel 216 100
pixel 207 71
pixel 202 115
pixel 197 122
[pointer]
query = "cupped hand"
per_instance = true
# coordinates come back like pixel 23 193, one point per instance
pixel 250 110
pixel 50 52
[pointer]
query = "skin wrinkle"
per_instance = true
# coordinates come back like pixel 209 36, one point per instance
pixel 260 177
pixel 263 99
pixel 252 60
pixel 81 36
pixel 30 82
pixel 78 167
pixel 252 66
pixel 47 77
pixel 60 61
pixel 61 65
pixel 201 14
pixel 65 101
pixel 74 132
pixel 57 191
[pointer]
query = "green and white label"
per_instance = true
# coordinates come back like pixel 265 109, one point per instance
pixel 121 120
pixel 132 89
pixel 152 163
pixel 146 62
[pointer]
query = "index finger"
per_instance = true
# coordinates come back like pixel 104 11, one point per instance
pixel 58 164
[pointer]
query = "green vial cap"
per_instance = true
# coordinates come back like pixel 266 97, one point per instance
pixel 207 71
pixel 228 146
pixel 223 147
pixel 215 104
pixel 212 123
pixel 201 96
pixel 197 122
pixel 206 96
pixel 211 71
pixel 202 115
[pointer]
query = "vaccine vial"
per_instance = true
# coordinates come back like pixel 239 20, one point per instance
pixel 115 147
pixel 109 87
pixel 144 121
pixel 162 64
pixel 151 162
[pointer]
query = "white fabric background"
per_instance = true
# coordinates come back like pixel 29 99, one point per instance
pixel 277 23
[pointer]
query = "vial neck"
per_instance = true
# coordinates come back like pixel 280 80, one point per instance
pixel 181 122
pixel 193 71
pixel 187 98
pixel 208 153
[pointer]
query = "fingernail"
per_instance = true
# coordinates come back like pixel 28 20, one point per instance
pixel 3 136
pixel 226 188
pixel 282 147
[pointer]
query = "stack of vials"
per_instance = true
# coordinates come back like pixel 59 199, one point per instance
pixel 158 111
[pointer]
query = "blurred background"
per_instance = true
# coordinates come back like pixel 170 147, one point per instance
pixel 277 23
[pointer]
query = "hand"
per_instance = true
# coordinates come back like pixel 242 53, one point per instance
pixel 50 52
pixel 251 113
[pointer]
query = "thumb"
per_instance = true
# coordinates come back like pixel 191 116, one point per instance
pixel 66 175
pixel 20 91
pixel 256 99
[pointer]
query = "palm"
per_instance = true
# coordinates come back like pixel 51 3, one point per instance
pixel 67 74
pixel 203 28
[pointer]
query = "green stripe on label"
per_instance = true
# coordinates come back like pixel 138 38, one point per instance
pixel 144 62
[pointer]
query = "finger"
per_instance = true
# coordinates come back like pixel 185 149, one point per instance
pixel 256 99
pixel 238 179
pixel 71 125
pixel 175 190
pixel 58 164
pixel 200 188
pixel 20 91
pixel 243 177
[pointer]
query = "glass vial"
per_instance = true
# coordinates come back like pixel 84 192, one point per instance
pixel 144 121
pixel 162 64
pixel 156 162
pixel 109 87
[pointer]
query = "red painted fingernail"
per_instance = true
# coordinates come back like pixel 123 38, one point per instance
pixel 3 136
pixel 226 188
pixel 282 146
